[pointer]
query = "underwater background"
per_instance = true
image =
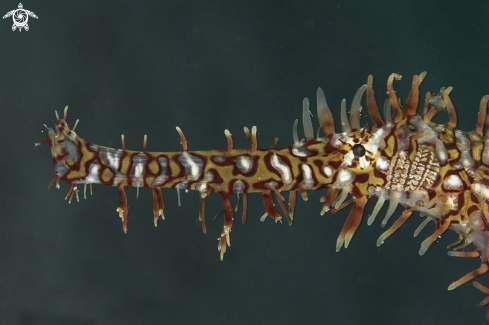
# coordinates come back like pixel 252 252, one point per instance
pixel 144 67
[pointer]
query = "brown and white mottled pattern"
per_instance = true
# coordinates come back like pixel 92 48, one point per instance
pixel 406 160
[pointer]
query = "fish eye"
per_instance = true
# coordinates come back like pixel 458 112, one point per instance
pixel 358 150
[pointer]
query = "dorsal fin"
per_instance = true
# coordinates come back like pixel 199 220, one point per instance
pixel 393 97
pixel 324 113
pixel 452 122
pixel 387 111
pixel 482 116
pixel 373 109
pixel 345 125
pixel 355 108
pixel 306 120
pixel 413 97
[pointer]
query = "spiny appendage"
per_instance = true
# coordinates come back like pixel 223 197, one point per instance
pixel 270 206
pixel 398 223
pixel 225 239
pixel 55 180
pixel 483 289
pixel 158 205
pixel 72 191
pixel 352 222
pixel 470 276
pixel 328 199
pixel 123 209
